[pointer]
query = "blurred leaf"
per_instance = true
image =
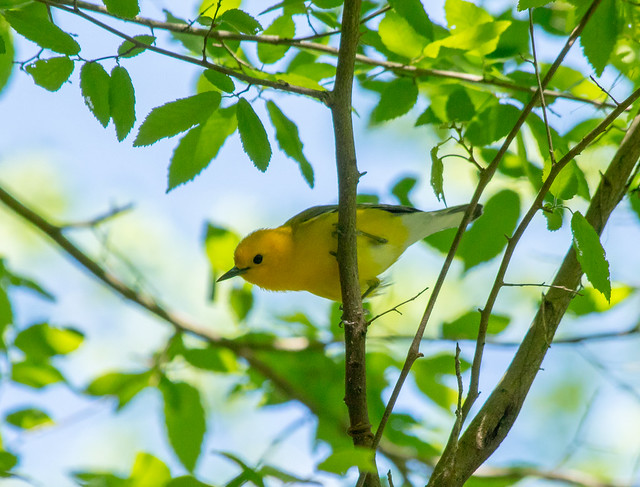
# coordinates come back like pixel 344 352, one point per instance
pixel 241 21
pixel 94 84
pixel 209 7
pixel 130 49
pixel 591 301
pixel 569 182
pixel 219 244
pixel 122 101
pixel 24 282
pixel 200 146
pixel 466 326
pixel 283 27
pixel 488 235
pixel 599 38
pixel 590 254
pixel 185 420
pixel 149 471
pixel 525 4
pixel 403 188
pixel 248 474
pixel 253 136
pixel 398 97
pixel 634 200
pixel 186 481
pixel 7 462
pixel 399 36
pixel 459 106
pixel 6 316
pixel 213 359
pixel 176 116
pixel 28 418
pixel 124 386
pixel 241 301
pixel 33 22
pixel 6 53
pixel 190 42
pixel 463 15
pixel 51 73
pixel 35 374
pixel 481 38
pixel 92 479
pixel 42 341
pixel 430 372
pixel 220 81
pixel 340 461
pixel 327 4
pixel 289 140
pixel 428 117
pixel 492 124
pixel 499 481
pixel 413 12
pixel 437 173
pixel 122 8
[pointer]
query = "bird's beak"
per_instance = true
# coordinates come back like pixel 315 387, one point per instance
pixel 233 272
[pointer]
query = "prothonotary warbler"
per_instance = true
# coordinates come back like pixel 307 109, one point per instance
pixel 301 254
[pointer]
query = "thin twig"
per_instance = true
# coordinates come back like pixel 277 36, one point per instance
pixel 602 88
pixel 395 308
pixel 100 219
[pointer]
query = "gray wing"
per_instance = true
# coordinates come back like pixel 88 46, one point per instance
pixel 316 211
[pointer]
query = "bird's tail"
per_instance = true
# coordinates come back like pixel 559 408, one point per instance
pixel 426 223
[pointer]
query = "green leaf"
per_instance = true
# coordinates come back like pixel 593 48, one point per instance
pixel 241 302
pixel 200 146
pixel 6 53
pixel 149 471
pixel 591 301
pixel 413 12
pixel 466 326
pixel 122 100
pixel 554 216
pixel 634 201
pixel 29 418
pixel 241 21
pixel 6 315
pixel 282 26
pixel 525 4
pixel 36 375
pixel 7 462
pixel 33 22
pixel 459 106
pixel 186 481
pixel 176 116
pixel 430 374
pixel 590 254
pixel 42 341
pixel 492 124
pixel 599 38
pixel 399 36
pixel 185 420
pixel 212 359
pixel 220 81
pixel 398 97
pixel 51 73
pixel 462 15
pixel 488 235
pixel 481 39
pixel 340 461
pixel 437 173
pixel 569 182
pixel 122 8
pixel 131 49
pixel 124 386
pixel 94 84
pixel 289 140
pixel 403 188
pixel 253 136
pixel 327 4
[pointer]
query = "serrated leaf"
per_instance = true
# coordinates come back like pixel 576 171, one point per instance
pixel 122 100
pixel 525 4
pixel 488 235
pixel 51 73
pixel 289 140
pixel 220 81
pixel 253 135
pixel 185 420
pixel 241 21
pixel 413 12
pixel 35 374
pixel 94 85
pixel 148 471
pixel 200 146
pixel 599 37
pixel 403 188
pixel 437 173
pixel 176 116
pixel 33 22
pixel 42 341
pixel 123 386
pixel 466 326
pixel 282 26
pixel 591 254
pixel 481 39
pixel 462 15
pixel 122 8
pixel 399 36
pixel 28 418
pixel 340 461
pixel 554 217
pixel 130 49
pixel 397 98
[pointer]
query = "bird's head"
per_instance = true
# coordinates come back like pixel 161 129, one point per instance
pixel 263 258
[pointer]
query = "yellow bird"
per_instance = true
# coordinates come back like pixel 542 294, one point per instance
pixel 301 254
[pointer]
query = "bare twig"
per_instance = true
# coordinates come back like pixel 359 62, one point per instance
pixel 100 219
pixel 395 308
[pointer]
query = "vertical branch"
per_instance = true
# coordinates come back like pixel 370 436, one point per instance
pixel 355 327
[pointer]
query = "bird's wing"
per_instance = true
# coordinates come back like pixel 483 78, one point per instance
pixel 317 211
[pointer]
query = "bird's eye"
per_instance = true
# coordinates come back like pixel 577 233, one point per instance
pixel 257 259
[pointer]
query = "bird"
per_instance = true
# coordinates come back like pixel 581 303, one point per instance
pixel 300 255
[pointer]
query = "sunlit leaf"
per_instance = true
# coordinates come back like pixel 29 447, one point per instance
pixel 398 97
pixel 525 4
pixel 241 21
pixel 588 300
pixel 149 471
pixel 220 81
pixel 35 374
pixel 6 53
pixel 483 38
pixel 6 315
pixel 7 462
pixel 413 12
pixel 211 359
pixel 94 85
pixel 124 386
pixel 186 481
pixel 590 254
pixel 599 38
pixel 283 27
pixel 430 373
pixel 340 461
pixel 399 37
pixel 28 418
pixel 253 135
pixel 122 101
pixel 466 326
pixel 42 341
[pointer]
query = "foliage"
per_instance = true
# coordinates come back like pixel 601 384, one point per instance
pixel 467 79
